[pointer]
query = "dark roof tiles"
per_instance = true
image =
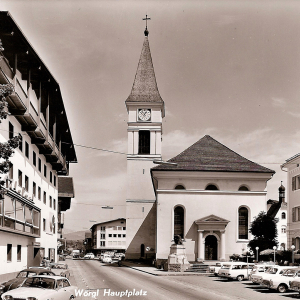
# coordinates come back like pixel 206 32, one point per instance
pixel 207 154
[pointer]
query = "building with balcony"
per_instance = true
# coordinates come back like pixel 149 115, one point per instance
pixel 109 236
pixel 29 207
pixel 292 167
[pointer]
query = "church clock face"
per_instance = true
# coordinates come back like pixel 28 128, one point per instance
pixel 144 114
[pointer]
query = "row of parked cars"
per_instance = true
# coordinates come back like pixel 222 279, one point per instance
pixel 39 283
pixel 268 275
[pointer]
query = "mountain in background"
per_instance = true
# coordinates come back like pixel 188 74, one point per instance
pixel 78 235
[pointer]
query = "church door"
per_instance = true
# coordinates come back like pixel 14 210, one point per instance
pixel 211 248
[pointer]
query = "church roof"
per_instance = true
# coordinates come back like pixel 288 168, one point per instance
pixel 144 87
pixel 207 154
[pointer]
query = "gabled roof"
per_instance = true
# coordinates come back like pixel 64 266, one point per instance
pixel 144 87
pixel 209 155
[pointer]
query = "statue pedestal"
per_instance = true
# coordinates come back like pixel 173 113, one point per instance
pixel 177 259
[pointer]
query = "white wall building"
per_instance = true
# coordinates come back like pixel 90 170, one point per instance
pixel 28 210
pixel 109 236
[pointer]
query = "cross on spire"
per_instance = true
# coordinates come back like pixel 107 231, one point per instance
pixel 146 32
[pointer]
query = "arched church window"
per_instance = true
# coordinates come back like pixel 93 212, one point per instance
pixel 243 223
pixel 211 187
pixel 283 215
pixel 144 142
pixel 179 187
pixel 243 188
pixel 179 221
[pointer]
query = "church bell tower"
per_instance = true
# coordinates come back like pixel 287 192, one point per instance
pixel 145 109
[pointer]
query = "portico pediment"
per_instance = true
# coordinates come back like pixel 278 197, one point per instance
pixel 211 222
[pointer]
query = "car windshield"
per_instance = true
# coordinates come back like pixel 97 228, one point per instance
pixel 226 266
pixel 40 282
pixel 290 273
pixel 26 274
pixel 218 265
pixel 272 271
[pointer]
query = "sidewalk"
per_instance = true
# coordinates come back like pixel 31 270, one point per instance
pixel 158 272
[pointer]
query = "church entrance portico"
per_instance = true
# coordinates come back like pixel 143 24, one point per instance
pixel 211 238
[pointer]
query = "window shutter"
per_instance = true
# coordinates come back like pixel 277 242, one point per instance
pixel 293 214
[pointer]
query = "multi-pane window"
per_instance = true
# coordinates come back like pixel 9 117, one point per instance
pixel 39 193
pixel 26 149
pixel 102 228
pixel 102 243
pixel 50 201
pixel 11 171
pixel 295 183
pixel 44 224
pixel 110 235
pixel 34 158
pixel 283 216
pixel 179 221
pixel 19 248
pixel 54 204
pixel 26 183
pixel 45 171
pixel 102 236
pixel 119 235
pixel 283 229
pixel 45 195
pixel 11 130
pixel 124 235
pixel 144 142
pixel 124 228
pixel 40 165
pixel 20 178
pixel 243 223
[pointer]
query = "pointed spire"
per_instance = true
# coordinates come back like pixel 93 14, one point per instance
pixel 144 87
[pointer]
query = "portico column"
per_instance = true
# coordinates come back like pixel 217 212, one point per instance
pixel 222 256
pixel 200 246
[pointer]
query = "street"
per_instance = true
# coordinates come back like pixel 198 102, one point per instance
pixel 99 281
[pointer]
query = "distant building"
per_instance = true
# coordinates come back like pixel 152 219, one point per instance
pixel 109 236
pixel 282 223
pixel 29 210
pixel 292 166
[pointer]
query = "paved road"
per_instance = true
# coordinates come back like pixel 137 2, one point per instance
pixel 108 280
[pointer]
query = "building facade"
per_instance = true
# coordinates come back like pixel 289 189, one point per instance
pixel 292 167
pixel 109 236
pixel 29 208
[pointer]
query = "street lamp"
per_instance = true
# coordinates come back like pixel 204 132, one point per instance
pixel 257 253
pixel 274 248
pixel 293 248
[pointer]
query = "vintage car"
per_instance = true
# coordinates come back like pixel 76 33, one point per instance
pixel 281 282
pixel 257 271
pixel 21 277
pixel 60 269
pixel 236 270
pixel 295 284
pixel 264 278
pixel 89 256
pixel 43 287
pixel 215 269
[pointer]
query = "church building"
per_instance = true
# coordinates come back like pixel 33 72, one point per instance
pixel 208 194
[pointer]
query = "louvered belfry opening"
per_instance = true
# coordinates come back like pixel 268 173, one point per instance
pixel 144 142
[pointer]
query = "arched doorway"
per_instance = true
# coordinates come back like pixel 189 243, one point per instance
pixel 211 248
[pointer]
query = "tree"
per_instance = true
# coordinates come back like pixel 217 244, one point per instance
pixel 6 148
pixel 264 230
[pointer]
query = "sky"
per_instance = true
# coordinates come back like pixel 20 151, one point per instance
pixel 230 69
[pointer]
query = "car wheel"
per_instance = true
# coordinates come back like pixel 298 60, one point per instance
pixel 240 278
pixel 282 288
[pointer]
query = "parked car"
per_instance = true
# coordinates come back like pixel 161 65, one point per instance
pixel 257 271
pixel 295 284
pixel 43 288
pixel 21 277
pixel 264 278
pixel 60 269
pixel 236 270
pixel 281 282
pixel 215 269
pixel 89 256
pixel 107 259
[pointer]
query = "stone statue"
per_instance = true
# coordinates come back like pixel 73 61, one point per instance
pixel 177 240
